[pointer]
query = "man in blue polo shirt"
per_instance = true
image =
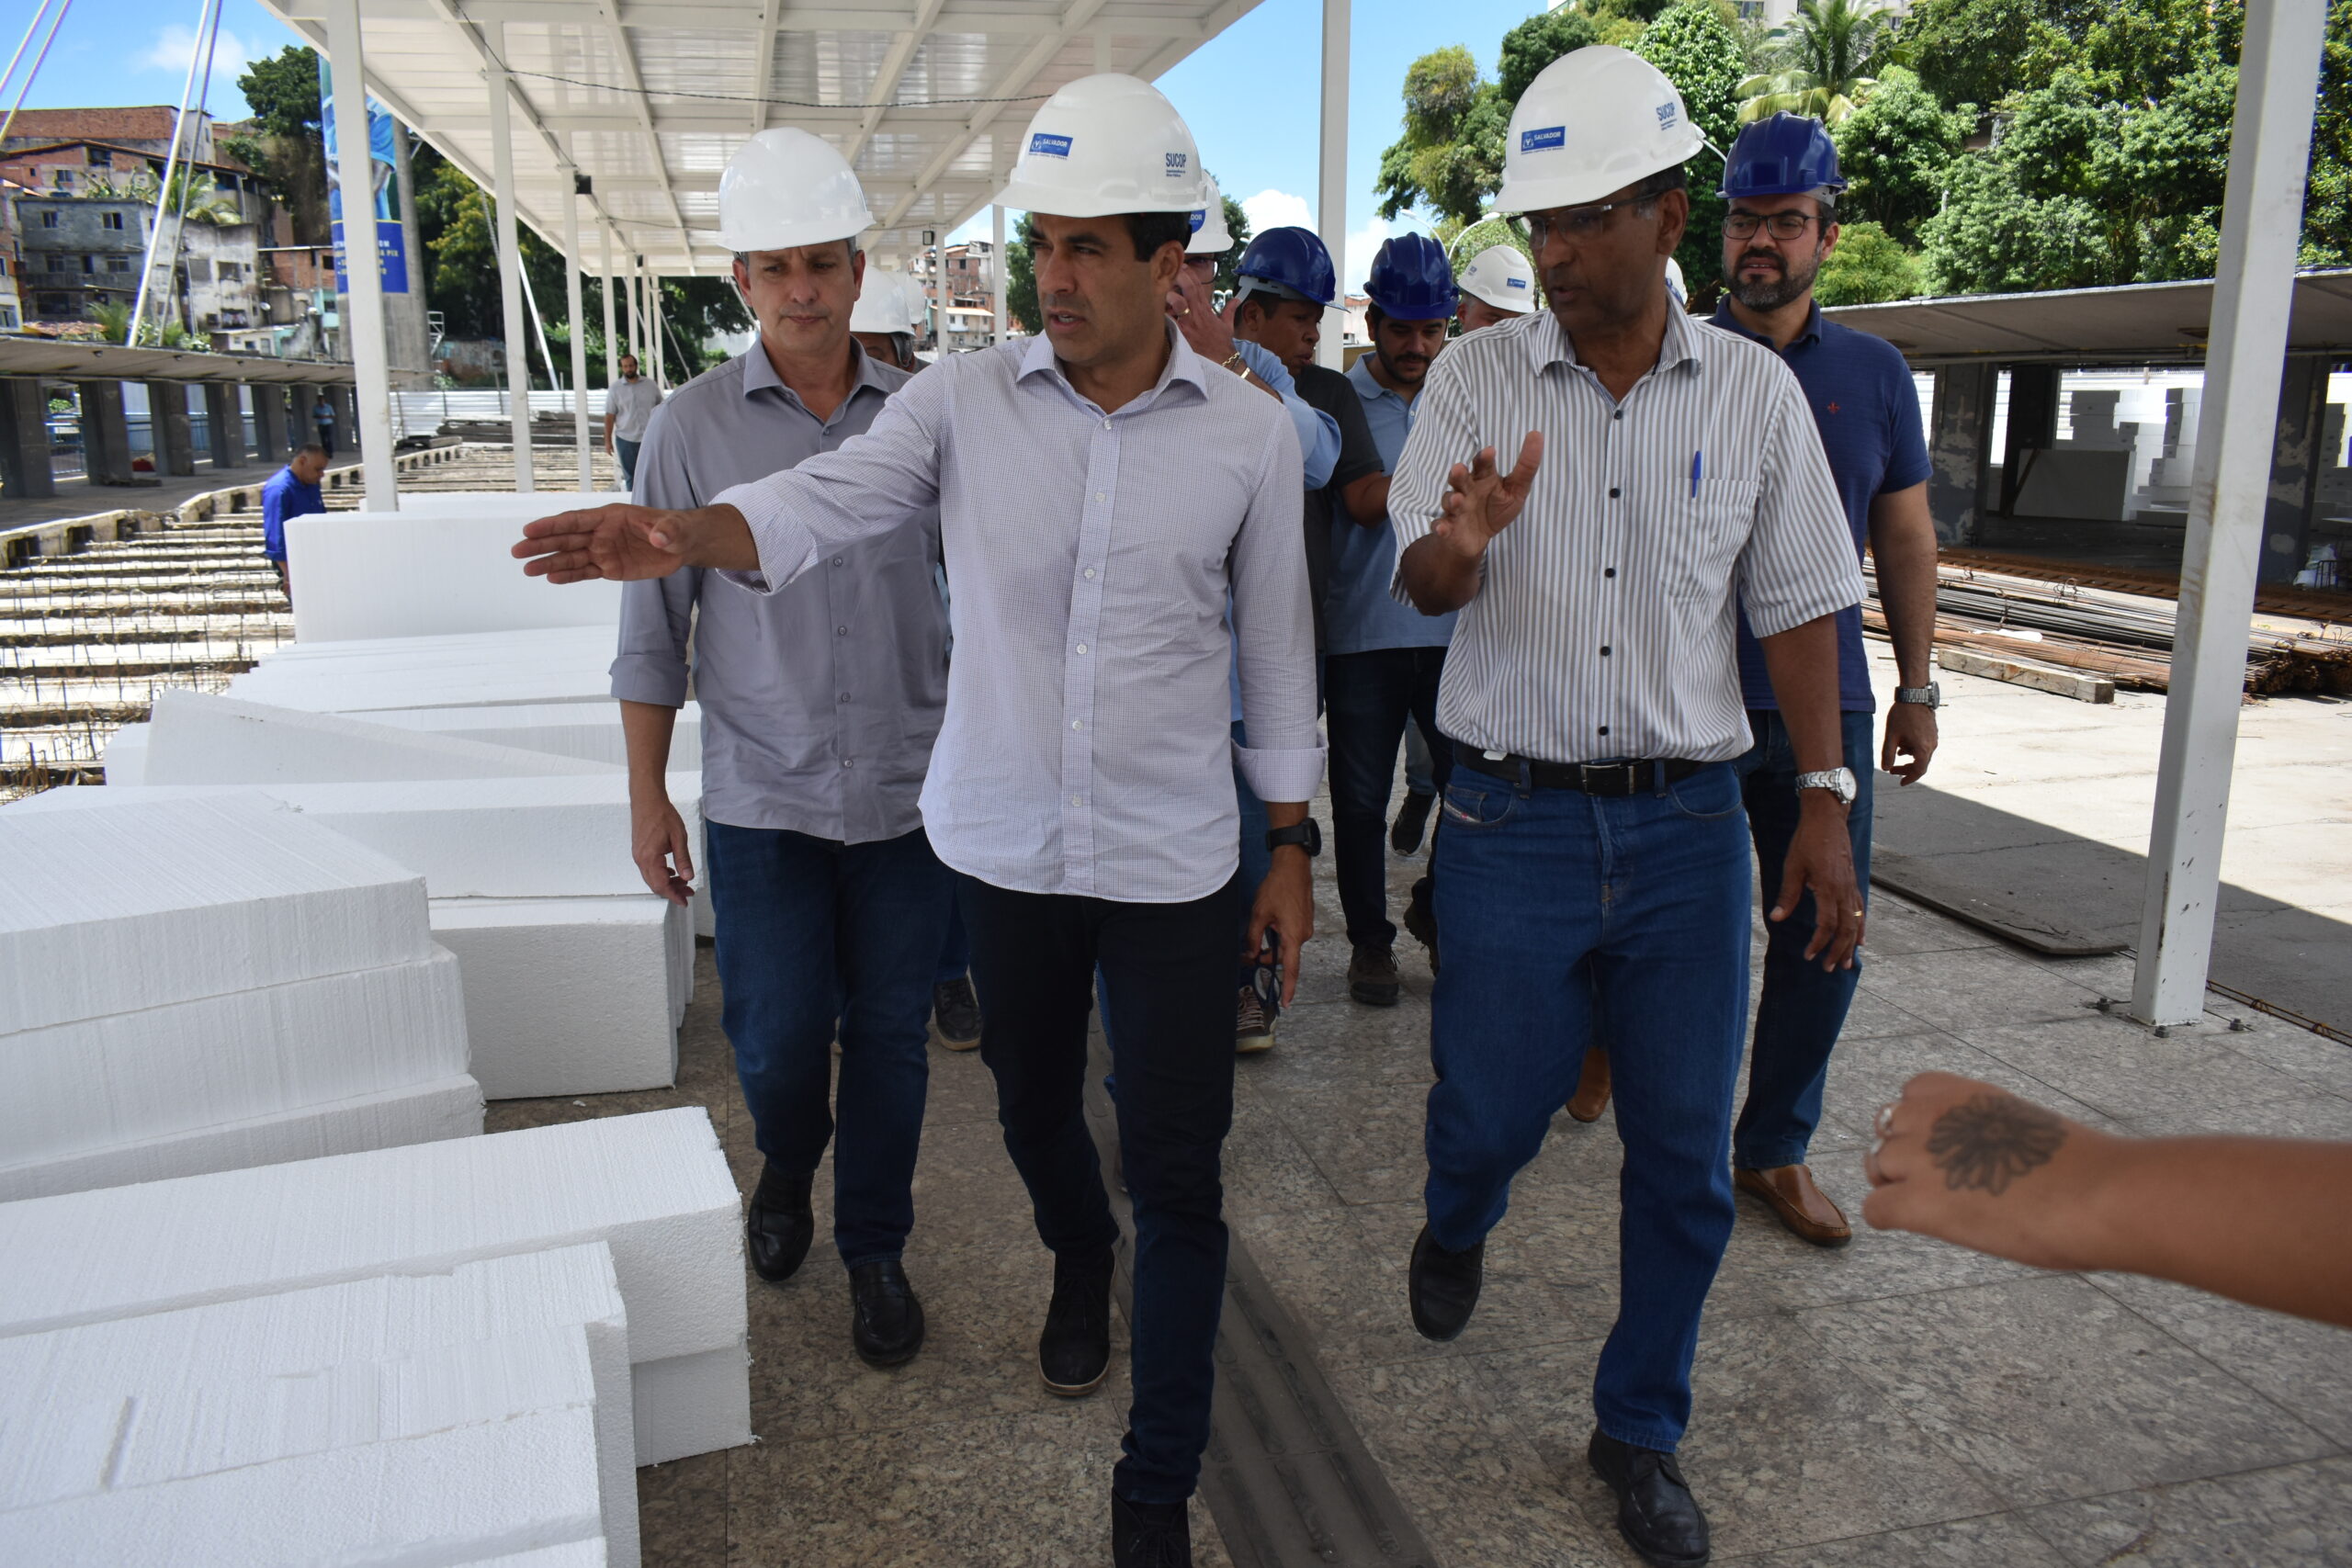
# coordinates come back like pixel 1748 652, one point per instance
pixel 292 492
pixel 1781 181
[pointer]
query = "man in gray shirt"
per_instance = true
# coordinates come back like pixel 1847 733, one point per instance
pixel 628 410
pixel 820 703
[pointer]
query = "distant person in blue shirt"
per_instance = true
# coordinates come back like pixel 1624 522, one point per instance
pixel 323 417
pixel 1782 183
pixel 292 492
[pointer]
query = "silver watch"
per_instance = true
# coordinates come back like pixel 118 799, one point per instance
pixel 1839 782
pixel 1928 696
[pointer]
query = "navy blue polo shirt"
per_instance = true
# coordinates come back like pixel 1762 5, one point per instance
pixel 1867 409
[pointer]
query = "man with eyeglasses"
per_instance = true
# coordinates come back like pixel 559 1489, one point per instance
pixel 1595 853
pixel 1782 183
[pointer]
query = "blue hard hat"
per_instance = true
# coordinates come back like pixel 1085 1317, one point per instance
pixel 1411 280
pixel 1294 262
pixel 1789 154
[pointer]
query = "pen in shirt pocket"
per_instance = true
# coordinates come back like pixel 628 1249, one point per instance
pixel 1695 461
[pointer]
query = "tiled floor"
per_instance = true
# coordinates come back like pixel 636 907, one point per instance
pixel 1898 1402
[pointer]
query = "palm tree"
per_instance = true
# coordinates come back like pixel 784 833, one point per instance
pixel 1829 54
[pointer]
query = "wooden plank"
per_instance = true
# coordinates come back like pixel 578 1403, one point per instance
pixel 2081 685
pixel 1925 882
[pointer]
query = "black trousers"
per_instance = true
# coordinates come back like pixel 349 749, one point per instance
pixel 1168 973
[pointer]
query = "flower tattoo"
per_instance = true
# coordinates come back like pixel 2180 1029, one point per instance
pixel 1992 1140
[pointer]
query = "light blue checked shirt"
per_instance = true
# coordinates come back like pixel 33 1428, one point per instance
pixel 1087 749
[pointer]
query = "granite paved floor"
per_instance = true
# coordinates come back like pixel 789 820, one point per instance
pixel 1899 1403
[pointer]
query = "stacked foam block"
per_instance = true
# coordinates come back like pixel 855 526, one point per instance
pixel 412 574
pixel 450 1353
pixel 190 985
pixel 575 977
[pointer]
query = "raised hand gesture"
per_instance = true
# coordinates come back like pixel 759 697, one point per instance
pixel 621 543
pixel 1480 502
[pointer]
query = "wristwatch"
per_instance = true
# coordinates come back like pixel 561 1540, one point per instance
pixel 1305 834
pixel 1839 782
pixel 1928 696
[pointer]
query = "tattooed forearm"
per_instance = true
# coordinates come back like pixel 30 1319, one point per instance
pixel 1989 1140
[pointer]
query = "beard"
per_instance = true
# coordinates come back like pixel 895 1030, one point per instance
pixel 1771 293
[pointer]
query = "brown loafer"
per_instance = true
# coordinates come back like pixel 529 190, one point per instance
pixel 1805 1208
pixel 1592 1097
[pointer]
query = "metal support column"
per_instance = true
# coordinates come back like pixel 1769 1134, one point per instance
pixel 999 274
pixel 1961 451
pixel 2033 427
pixel 224 423
pixel 2296 459
pixel 1331 181
pixel 612 344
pixel 25 471
pixel 105 434
pixel 510 256
pixel 654 367
pixel 577 317
pixel 636 315
pixel 169 430
pixel 363 327
pixel 273 434
pixel 2270 142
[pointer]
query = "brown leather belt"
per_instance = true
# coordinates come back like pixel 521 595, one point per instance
pixel 1643 775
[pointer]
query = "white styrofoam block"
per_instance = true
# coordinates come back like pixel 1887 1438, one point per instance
pixel 142 903
pixel 570 995
pixel 381 1318
pixel 197 737
pixel 495 838
pixel 567 665
pixel 525 504
pixel 692 1404
pixel 452 1496
pixel 373 574
pixel 125 760
pixel 571 1554
pixel 589 730
pixel 654 1186
pixel 448 1107
pixel 96 1083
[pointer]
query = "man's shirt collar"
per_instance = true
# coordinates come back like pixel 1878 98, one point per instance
pixel 759 374
pixel 1182 366
pixel 1548 343
pixel 1810 332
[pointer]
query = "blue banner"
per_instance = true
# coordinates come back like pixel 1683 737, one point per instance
pixel 391 247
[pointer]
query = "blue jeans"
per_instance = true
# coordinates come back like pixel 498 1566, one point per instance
pixel 626 452
pixel 1167 971
pixel 1419 774
pixel 1372 696
pixel 955 956
pixel 1553 901
pixel 817 939
pixel 1803 1007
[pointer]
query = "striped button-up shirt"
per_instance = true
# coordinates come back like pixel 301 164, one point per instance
pixel 1603 625
pixel 819 703
pixel 1087 749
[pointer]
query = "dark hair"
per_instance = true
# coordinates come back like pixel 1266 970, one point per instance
pixel 309 449
pixel 1373 316
pixel 1150 230
pixel 1657 184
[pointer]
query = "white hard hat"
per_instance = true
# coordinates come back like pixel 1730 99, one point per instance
pixel 913 302
pixel 1674 284
pixel 1502 277
pixel 1210 237
pixel 785 187
pixel 881 304
pixel 1105 145
pixel 1595 120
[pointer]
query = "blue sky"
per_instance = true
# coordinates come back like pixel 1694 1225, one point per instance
pixel 1249 95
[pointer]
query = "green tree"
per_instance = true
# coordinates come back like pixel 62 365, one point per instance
pixel 1893 150
pixel 1869 267
pixel 1994 237
pixel 1978 51
pixel 1021 283
pixel 1464 247
pixel 2327 204
pixel 1701 54
pixel 1237 223
pixel 1450 159
pixel 1832 53
pixel 283 144
pixel 1538 41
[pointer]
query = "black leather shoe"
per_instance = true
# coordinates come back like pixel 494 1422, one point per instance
pixel 957 1011
pixel 1420 920
pixel 884 1318
pixel 1074 1351
pixel 1150 1535
pixel 1412 822
pixel 1444 1286
pixel 1656 1513
pixel 778 1226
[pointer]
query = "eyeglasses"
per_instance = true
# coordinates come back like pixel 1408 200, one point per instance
pixel 1577 224
pixel 1784 225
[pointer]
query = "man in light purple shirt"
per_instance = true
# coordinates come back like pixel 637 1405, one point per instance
pixel 1101 489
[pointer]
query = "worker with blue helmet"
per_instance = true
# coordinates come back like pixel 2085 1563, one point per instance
pixel 1386 658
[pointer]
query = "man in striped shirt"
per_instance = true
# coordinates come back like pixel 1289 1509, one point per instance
pixel 1595 856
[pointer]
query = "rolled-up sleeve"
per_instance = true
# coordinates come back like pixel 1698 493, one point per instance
pixel 1444 433
pixel 870 484
pixel 1273 629
pixel 1798 564
pixel 657 616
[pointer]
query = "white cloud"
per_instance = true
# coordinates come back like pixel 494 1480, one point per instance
pixel 1277 209
pixel 176 45
pixel 1365 244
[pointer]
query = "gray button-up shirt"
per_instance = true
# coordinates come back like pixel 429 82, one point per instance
pixel 820 703
pixel 632 404
pixel 1603 626
pixel 1087 747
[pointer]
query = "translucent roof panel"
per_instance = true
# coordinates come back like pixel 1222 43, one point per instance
pixel 650 98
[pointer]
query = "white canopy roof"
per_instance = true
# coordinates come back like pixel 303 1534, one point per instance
pixel 650 98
